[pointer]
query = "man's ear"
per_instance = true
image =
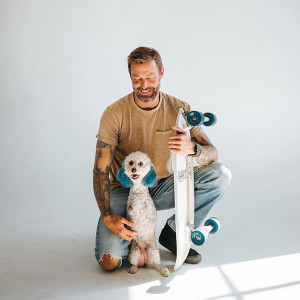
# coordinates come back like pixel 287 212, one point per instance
pixel 123 178
pixel 162 72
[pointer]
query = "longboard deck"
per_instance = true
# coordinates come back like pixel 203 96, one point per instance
pixel 184 197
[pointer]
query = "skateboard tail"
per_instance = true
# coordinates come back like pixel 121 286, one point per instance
pixel 183 249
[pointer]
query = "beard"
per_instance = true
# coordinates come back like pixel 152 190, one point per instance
pixel 147 98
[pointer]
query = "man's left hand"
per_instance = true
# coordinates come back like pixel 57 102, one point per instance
pixel 181 143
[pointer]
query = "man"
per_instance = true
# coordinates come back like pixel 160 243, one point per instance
pixel 143 121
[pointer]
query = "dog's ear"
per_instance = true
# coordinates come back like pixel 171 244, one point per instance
pixel 123 178
pixel 150 178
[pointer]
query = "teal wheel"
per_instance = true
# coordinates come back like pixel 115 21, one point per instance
pixel 212 119
pixel 199 237
pixel 195 118
pixel 215 223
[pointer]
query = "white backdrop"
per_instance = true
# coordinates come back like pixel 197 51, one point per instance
pixel 63 62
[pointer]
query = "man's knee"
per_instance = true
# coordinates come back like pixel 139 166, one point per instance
pixel 215 172
pixel 224 174
pixel 108 263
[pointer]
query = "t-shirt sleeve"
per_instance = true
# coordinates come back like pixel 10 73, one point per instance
pixel 196 130
pixel 109 128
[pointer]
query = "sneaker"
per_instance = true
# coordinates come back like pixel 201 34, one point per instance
pixel 167 239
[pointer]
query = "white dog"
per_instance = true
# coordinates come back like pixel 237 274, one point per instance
pixel 138 173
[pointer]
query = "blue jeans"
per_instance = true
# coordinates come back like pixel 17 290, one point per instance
pixel 211 183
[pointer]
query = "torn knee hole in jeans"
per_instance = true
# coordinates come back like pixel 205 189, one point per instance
pixel 111 257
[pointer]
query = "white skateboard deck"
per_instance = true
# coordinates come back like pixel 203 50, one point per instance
pixel 184 197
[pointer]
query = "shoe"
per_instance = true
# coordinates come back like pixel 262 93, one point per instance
pixel 167 239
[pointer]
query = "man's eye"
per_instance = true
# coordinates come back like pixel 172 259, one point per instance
pixel 130 163
pixel 140 163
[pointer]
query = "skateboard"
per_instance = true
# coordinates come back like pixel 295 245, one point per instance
pixel 184 191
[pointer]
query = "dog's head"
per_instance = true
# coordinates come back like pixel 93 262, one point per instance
pixel 137 169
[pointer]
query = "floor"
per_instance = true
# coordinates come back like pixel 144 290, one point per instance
pixel 54 259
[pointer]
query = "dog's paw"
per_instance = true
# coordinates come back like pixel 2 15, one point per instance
pixel 133 269
pixel 164 271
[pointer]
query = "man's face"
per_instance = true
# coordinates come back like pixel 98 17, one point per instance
pixel 146 80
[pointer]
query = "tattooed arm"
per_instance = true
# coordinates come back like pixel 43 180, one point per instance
pixel 181 144
pixel 208 153
pixel 103 160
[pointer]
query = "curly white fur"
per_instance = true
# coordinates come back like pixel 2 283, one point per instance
pixel 142 212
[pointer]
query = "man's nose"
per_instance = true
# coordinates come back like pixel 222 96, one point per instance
pixel 144 84
pixel 133 170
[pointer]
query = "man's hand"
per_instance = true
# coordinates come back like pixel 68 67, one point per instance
pixel 181 143
pixel 117 224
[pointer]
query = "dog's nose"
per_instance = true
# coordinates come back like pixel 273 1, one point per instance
pixel 133 170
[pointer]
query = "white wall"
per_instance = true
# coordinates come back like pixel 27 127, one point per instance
pixel 63 62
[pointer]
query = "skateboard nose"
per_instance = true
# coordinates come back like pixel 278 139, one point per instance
pixel 133 170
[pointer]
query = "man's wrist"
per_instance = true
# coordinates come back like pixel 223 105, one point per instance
pixel 106 217
pixel 197 151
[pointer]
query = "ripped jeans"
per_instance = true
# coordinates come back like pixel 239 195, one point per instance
pixel 210 181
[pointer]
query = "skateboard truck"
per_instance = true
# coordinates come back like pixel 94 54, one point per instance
pixel 196 118
pixel 200 235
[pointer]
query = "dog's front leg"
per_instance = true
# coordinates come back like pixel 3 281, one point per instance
pixel 133 257
pixel 155 257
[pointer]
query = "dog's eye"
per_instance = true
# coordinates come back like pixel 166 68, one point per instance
pixel 130 163
pixel 140 163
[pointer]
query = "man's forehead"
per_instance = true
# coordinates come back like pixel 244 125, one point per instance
pixel 138 74
pixel 147 68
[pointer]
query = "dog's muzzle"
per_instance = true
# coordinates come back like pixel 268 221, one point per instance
pixel 134 176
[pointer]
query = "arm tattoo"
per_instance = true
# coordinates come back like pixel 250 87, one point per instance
pixel 103 160
pixel 208 152
pixel 204 142
pixel 207 156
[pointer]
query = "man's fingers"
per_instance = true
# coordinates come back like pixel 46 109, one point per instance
pixel 177 137
pixel 178 129
pixel 128 238
pixel 173 147
pixel 178 151
pixel 175 143
pixel 130 233
pixel 127 222
pixel 126 233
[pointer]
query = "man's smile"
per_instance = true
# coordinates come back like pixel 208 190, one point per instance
pixel 145 91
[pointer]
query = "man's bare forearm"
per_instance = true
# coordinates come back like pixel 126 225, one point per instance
pixel 208 154
pixel 101 191
pixel 103 159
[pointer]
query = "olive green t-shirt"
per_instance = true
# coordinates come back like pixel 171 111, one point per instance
pixel 128 127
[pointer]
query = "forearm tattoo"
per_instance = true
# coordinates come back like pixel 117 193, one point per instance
pixel 101 176
pixel 208 152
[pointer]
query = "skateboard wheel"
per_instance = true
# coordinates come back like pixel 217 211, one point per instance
pixel 215 223
pixel 199 237
pixel 195 118
pixel 212 119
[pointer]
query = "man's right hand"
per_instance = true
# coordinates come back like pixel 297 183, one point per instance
pixel 117 224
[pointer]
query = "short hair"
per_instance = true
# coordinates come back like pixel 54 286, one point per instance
pixel 141 55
